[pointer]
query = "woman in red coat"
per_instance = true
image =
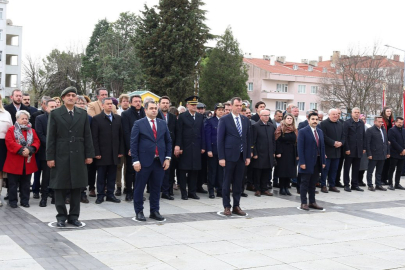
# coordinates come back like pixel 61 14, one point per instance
pixel 22 143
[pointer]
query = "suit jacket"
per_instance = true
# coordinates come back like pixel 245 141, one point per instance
pixel 11 109
pixel 108 139
pixel 96 107
pixel 171 124
pixel 229 141
pixel 355 137
pixel 68 143
pixel 41 124
pixel 34 116
pixel 211 129
pixel 396 136
pixel 190 137
pixel 128 119
pixel 375 145
pixel 264 145
pixel 143 142
pixel 332 132
pixel 308 150
pixel 303 124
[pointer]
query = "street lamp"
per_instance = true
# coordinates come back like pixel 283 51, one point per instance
pixel 403 76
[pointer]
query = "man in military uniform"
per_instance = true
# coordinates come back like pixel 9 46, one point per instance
pixel 190 144
pixel 69 148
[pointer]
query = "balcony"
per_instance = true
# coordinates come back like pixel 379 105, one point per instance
pixel 276 96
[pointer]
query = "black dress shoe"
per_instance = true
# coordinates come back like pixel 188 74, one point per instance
pixel 84 199
pixel 118 192
pixel 391 187
pixel 193 196
pixel 26 205
pixel 167 197
pixel 156 215
pixel 140 216
pixel 35 195
pixel 60 224
pixel 357 189
pixel 399 187
pixel 380 188
pixel 243 194
pixel 99 200
pixel 113 199
pixel 371 188
pixel 212 196
pixel 128 197
pixel 348 189
pixel 201 190
pixel 184 197
pixel 75 222
pixel 42 203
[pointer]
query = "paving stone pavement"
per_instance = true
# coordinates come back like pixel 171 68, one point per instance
pixel 358 230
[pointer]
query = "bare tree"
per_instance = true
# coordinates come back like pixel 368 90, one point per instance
pixel 394 91
pixel 35 77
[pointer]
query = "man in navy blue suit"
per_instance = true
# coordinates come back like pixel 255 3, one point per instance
pixel 151 148
pixel 234 152
pixel 311 153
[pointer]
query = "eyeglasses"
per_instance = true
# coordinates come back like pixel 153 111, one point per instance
pixel 265 115
pixel 79 103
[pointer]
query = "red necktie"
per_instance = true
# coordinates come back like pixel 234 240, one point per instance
pixel 165 117
pixel 155 135
pixel 316 138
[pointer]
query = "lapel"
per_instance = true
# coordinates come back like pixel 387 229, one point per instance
pixel 76 116
pixel 161 128
pixel 233 122
pixel 312 133
pixel 148 127
pixel 191 118
pixel 66 116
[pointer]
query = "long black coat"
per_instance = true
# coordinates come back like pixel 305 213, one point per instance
pixel 11 109
pixel 332 132
pixel 375 146
pixel 68 143
pixel 190 137
pixel 396 136
pixel 264 145
pixel 355 137
pixel 41 124
pixel 286 146
pixel 128 119
pixel 34 117
pixel 108 139
pixel 171 124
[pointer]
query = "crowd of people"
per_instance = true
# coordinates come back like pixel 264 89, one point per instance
pixel 116 148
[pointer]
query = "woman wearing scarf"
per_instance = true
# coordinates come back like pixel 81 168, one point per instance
pixel 388 123
pixel 286 152
pixel 22 143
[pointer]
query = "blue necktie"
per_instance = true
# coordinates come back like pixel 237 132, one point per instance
pixel 110 117
pixel 240 131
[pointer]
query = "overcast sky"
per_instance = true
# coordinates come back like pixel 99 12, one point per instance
pixel 296 29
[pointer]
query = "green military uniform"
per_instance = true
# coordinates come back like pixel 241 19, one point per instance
pixel 69 143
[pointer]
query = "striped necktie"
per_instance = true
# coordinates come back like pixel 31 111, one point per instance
pixel 240 131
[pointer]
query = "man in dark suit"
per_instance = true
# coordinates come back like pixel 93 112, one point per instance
pixel 151 149
pixel 128 118
pixel 216 172
pixel 355 145
pixel 234 151
pixel 108 144
pixel 171 121
pixel 311 153
pixel 396 137
pixel 69 147
pixel 26 101
pixel 264 147
pixel 332 130
pixel 190 144
pixel 41 129
pixel 15 105
pixel 378 150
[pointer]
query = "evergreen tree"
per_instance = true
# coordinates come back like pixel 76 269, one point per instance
pixel 170 42
pixel 223 73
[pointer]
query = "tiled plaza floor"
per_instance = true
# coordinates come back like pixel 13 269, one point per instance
pixel 358 230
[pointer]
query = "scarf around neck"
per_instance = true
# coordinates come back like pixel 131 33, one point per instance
pixel 284 128
pixel 19 136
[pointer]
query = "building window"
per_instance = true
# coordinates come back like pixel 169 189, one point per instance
pixel 282 88
pixel 310 68
pixel 250 86
pixel 295 67
pixel 280 105
pixel 301 106
pixel 324 70
pixel 314 89
pixel 301 89
pixel 313 106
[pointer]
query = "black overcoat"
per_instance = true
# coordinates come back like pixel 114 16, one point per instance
pixel 264 145
pixel 332 132
pixel 68 143
pixel 355 137
pixel 108 139
pixel 190 137
pixel 286 145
